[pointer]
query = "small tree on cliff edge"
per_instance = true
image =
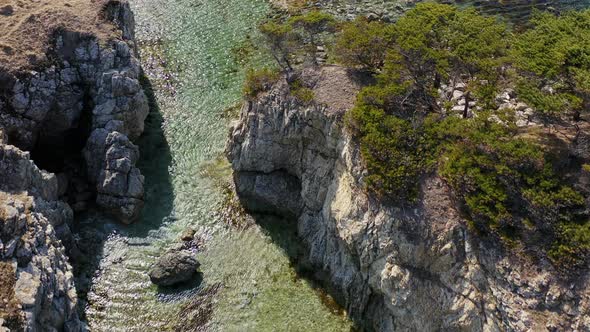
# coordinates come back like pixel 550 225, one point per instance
pixel 313 24
pixel 363 44
pixel 281 41
pixel 435 43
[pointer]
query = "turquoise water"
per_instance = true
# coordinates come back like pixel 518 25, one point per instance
pixel 248 281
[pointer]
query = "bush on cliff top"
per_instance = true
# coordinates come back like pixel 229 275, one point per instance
pixel 507 184
pixel 553 59
pixel 258 81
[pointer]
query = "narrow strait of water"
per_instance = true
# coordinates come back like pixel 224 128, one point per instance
pixel 248 282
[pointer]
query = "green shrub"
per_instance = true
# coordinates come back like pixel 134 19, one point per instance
pixel 302 93
pixel 258 81
pixel 363 44
pixel 555 53
pixel 572 245
pixel 392 150
pixel 509 186
pixel 503 178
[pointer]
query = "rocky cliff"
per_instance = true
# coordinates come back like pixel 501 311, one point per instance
pixel 34 224
pixel 78 113
pixel 394 267
pixel 67 126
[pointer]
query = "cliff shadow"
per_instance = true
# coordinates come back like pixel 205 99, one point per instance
pixel 94 228
pixel 154 163
pixel 283 233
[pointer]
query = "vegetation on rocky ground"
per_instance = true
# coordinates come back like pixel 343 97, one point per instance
pixel 258 81
pixel 553 64
pixel 508 184
pixel 10 308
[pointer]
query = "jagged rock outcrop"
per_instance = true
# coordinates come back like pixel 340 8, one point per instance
pixel 91 86
pixel 394 268
pixel 67 124
pixel 32 221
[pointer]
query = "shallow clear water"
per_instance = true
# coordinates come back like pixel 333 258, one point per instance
pixel 248 282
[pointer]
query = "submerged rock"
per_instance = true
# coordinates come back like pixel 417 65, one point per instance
pixel 174 267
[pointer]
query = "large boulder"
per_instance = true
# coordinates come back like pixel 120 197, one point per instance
pixel 119 183
pixel 174 267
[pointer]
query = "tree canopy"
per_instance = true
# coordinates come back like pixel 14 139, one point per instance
pixel 553 61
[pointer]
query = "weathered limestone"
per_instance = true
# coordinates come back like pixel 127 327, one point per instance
pixel 395 268
pixel 32 222
pixel 92 86
pixel 76 116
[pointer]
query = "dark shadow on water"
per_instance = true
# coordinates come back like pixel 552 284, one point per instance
pixel 182 291
pixel 283 233
pixel 154 163
pixel 93 229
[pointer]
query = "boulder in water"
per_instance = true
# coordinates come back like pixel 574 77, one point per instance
pixel 173 268
pixel 187 235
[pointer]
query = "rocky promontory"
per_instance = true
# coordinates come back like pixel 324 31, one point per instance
pixel 71 106
pixel 35 228
pixel 394 267
pixel 79 110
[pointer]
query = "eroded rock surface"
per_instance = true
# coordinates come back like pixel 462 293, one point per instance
pixel 33 224
pixel 70 110
pixel 412 268
pixel 91 87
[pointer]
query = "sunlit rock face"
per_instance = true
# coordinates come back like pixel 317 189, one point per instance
pixel 68 109
pixel 67 128
pixel 394 267
pixel 34 226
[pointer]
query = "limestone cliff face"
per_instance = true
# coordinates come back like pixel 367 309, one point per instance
pixel 66 133
pixel 411 268
pixel 33 221
pixel 89 94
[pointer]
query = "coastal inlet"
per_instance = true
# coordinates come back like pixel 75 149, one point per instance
pixel 248 281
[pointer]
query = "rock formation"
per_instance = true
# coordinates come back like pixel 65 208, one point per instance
pixel 394 267
pixel 174 267
pixel 33 221
pixel 88 97
pixel 67 126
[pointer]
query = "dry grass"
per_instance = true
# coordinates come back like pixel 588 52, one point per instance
pixel 10 309
pixel 337 88
pixel 27 26
pixel 556 138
